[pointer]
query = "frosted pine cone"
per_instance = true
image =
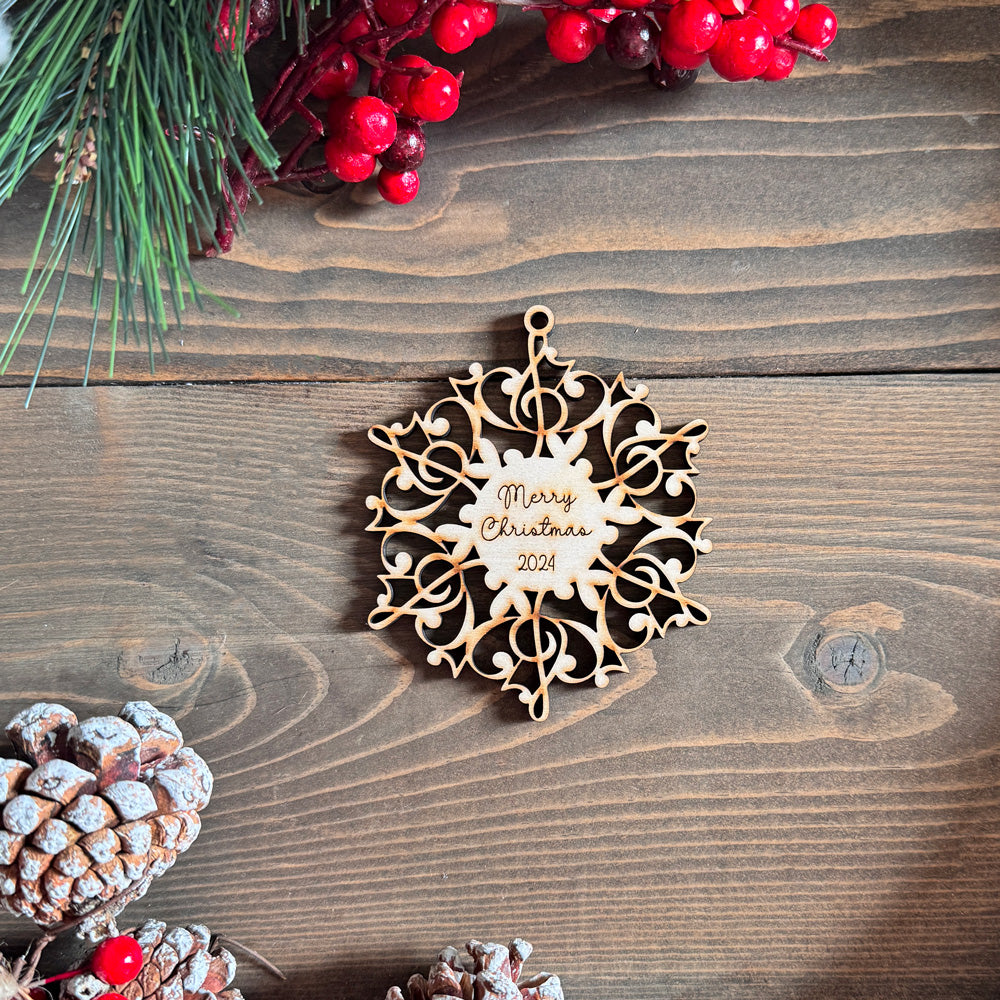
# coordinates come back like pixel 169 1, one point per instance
pixel 94 810
pixel 496 975
pixel 177 964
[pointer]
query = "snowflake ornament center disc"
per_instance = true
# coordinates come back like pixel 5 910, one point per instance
pixel 538 524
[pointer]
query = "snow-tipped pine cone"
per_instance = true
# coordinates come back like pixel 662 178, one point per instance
pixel 496 975
pixel 181 963
pixel 93 810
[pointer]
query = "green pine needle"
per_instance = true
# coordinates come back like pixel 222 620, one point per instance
pixel 148 109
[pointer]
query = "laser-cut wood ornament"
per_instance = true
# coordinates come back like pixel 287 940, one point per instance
pixel 538 524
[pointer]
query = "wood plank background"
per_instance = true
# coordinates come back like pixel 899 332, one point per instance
pixel 709 825
pixel 844 220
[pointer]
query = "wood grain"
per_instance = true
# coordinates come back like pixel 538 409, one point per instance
pixel 707 826
pixel 842 221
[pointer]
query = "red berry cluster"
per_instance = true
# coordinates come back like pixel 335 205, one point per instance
pixel 383 129
pixel 742 39
pixel 377 127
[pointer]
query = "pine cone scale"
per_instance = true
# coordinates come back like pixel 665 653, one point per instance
pixel 177 964
pixel 496 975
pixel 97 809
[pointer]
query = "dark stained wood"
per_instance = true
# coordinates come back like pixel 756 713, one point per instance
pixel 842 221
pixel 707 826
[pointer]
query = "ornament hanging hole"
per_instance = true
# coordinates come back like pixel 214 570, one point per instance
pixel 538 319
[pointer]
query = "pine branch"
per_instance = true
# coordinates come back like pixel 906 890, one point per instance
pixel 145 106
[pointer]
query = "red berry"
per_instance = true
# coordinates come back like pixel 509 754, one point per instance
pixel 632 4
pixel 395 87
pixel 117 960
pixel 731 8
pixel 778 15
pixel 407 149
pixel 452 28
pixel 781 65
pixel 668 78
pixel 678 58
pixel 396 12
pixel 347 164
pixel 357 26
pixel 398 188
pixel 112 995
pixel 602 16
pixel 816 25
pixel 366 124
pixel 632 40
pixel 226 27
pixel 743 49
pixel 338 79
pixel 693 25
pixel 484 16
pixel 434 98
pixel 571 35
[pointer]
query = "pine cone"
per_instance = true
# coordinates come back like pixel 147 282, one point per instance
pixel 179 964
pixel 94 810
pixel 496 975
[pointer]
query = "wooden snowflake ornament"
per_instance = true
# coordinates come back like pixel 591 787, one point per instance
pixel 537 524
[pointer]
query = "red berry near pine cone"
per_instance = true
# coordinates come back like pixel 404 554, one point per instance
pixel 452 28
pixel 348 164
pixel 816 25
pixel 179 963
pixel 743 49
pixel 338 79
pixel 117 960
pixel 632 40
pixel 781 65
pixel 692 25
pixel 571 36
pixel 778 15
pixel 433 98
pixel 398 188
pixel 484 16
pixel 365 124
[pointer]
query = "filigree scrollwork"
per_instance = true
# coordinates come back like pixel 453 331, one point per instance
pixel 537 524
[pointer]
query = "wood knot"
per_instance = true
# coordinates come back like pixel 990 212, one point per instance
pixel 844 661
pixel 167 663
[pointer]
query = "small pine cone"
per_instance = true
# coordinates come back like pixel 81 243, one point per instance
pixel 177 964
pixel 495 975
pixel 93 810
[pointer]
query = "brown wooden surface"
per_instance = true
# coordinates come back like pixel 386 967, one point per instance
pixel 708 826
pixel 844 220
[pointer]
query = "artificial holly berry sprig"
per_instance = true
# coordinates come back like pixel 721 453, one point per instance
pixel 382 129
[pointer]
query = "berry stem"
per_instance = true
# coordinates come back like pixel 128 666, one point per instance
pixel 787 42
